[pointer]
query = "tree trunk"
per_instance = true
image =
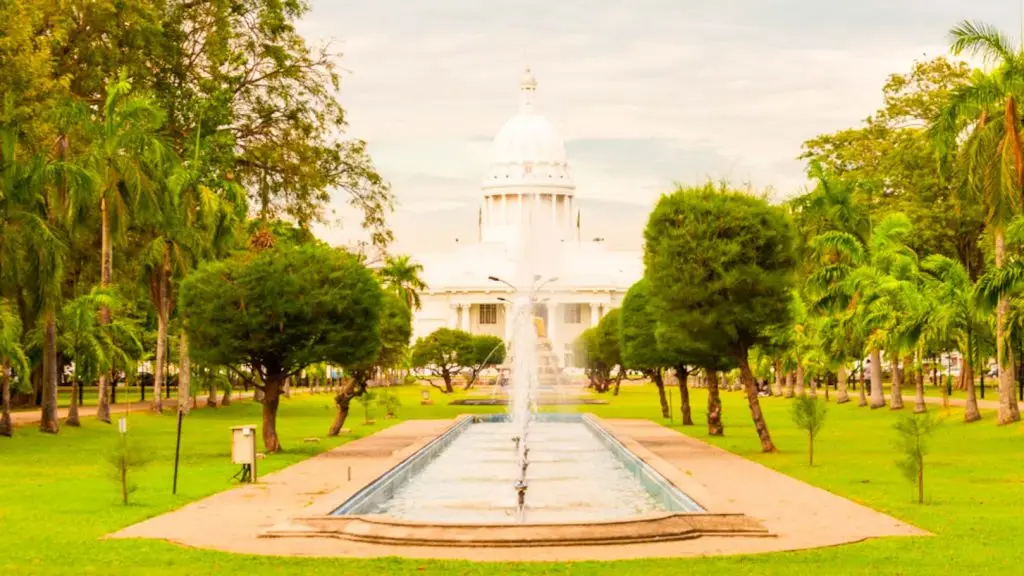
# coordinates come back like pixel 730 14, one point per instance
pixel 919 404
pixel 877 397
pixel 787 392
pixel 682 375
pixel 812 390
pixel 810 449
pixel 343 401
pixel 800 389
pixel 159 379
pixel 211 396
pixel 779 386
pixel 660 383
pixel 842 389
pixel 287 387
pixel 447 377
pixel 271 400
pixel 5 402
pixel 863 400
pixel 48 419
pixel 225 397
pixel 896 401
pixel 103 402
pixel 715 427
pixel 184 375
pixel 1008 410
pixel 971 412
pixel 72 419
pixel 747 378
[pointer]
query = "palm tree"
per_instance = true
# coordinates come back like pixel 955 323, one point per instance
pixel 955 316
pixel 403 276
pixel 980 129
pixel 92 345
pixel 128 156
pixel 11 356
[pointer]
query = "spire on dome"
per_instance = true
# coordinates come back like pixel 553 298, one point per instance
pixel 527 86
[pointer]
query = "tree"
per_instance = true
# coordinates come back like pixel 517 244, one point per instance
pixel 721 266
pixel 956 317
pixel 395 331
pixel 12 356
pixel 93 345
pixel 488 351
pixel 979 129
pixel 639 343
pixel 279 311
pixel 608 339
pixel 913 431
pixel 403 276
pixel 809 416
pixel 444 353
pixel 130 158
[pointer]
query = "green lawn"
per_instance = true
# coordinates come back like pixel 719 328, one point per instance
pixel 56 499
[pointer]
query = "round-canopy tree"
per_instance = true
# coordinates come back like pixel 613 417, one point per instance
pixel 444 353
pixel 721 265
pixel 639 343
pixel 279 311
pixel 394 334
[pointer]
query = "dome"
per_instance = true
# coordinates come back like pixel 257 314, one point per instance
pixel 528 151
pixel 528 137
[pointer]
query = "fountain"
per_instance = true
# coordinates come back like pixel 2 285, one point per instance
pixel 536 471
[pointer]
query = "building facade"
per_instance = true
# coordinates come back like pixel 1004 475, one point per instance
pixel 528 237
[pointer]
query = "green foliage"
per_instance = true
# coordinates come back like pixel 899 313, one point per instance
pixel 395 331
pixel 368 398
pixel 639 323
pixel 402 276
pixel 721 265
pixel 282 310
pixel 390 402
pixel 808 415
pixel 443 353
pixel 597 350
pixel 913 433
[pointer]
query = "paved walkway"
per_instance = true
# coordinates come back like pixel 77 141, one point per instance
pixel 798 515
pixel 25 417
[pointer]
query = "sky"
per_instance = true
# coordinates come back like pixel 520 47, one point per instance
pixel 645 93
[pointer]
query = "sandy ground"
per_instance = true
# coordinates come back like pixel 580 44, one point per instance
pixel 797 514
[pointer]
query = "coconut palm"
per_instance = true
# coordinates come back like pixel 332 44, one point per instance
pixel 403 276
pixel 956 317
pixel 129 158
pixel 980 130
pixel 92 345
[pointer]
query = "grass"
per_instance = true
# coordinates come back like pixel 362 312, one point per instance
pixel 57 499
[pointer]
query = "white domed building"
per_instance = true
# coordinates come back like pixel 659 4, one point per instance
pixel 528 236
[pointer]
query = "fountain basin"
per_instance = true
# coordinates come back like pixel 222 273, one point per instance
pixel 577 472
pixel 458 490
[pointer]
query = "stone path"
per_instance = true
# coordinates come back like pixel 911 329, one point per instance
pixel 799 515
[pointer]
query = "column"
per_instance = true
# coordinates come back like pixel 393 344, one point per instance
pixel 595 314
pixel 464 317
pixel 453 318
pixel 554 210
pixel 553 327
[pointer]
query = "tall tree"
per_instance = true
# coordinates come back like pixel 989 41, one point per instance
pixel 984 115
pixel 403 276
pixel 721 265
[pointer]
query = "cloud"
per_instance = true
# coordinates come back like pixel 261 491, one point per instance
pixel 645 92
